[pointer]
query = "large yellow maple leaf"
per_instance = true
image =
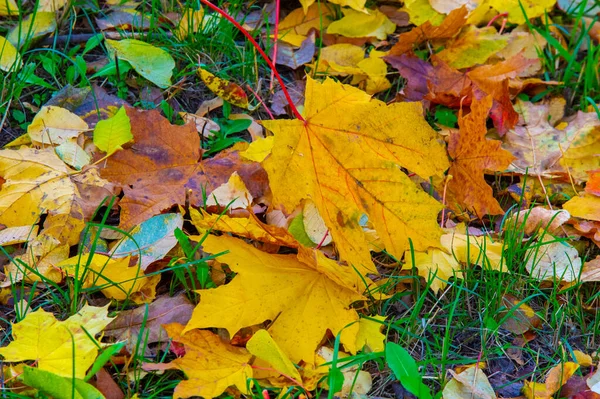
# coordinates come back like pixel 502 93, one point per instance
pixel 210 364
pixel 61 347
pixel 304 296
pixel 346 158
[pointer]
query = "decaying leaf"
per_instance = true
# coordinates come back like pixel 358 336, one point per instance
pixel 295 27
pixel 127 326
pixel 471 383
pixel 538 218
pixel 210 365
pixel 62 347
pixel 347 152
pixel 553 261
pixel 303 295
pixel 228 91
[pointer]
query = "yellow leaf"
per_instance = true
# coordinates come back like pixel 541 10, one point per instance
pixel 472 47
pixel 583 359
pixel 420 11
pixel 584 207
pixel 305 295
pixel 118 279
pixel 51 5
pixel 54 126
pixel 359 24
pixel 434 262
pixel 556 378
pixel 474 250
pixel 347 154
pixel 249 227
pixel 190 22
pixel 9 7
pixel 61 347
pixel 210 365
pixel 533 8
pixel 264 347
pixel 9 56
pixel 43 254
pixel 36 181
pixel 294 28
pixel 370 335
pixel 228 91
pixel 341 59
pixel 258 150
pixel 358 5
pixel 110 134
pixel 34 26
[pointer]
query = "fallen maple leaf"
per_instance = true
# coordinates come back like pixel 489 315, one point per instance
pixel 346 158
pixel 451 25
pixel 472 155
pixel 304 296
pixel 210 365
pixel 66 348
pixel 165 163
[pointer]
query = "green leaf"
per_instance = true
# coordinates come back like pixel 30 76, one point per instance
pixel 110 134
pixel 59 387
pixel 153 63
pixel 405 369
pixel 297 230
pixel 103 359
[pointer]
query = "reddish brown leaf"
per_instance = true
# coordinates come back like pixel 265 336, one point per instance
pixel 438 83
pixel 165 163
pixel 472 156
pixel 494 80
pixel 447 29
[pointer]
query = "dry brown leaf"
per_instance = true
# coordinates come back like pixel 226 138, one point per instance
pixel 164 166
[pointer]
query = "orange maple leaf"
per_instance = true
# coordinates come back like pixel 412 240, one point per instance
pixel 472 154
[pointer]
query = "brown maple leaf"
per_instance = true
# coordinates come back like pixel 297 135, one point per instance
pixel 472 154
pixel 165 162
